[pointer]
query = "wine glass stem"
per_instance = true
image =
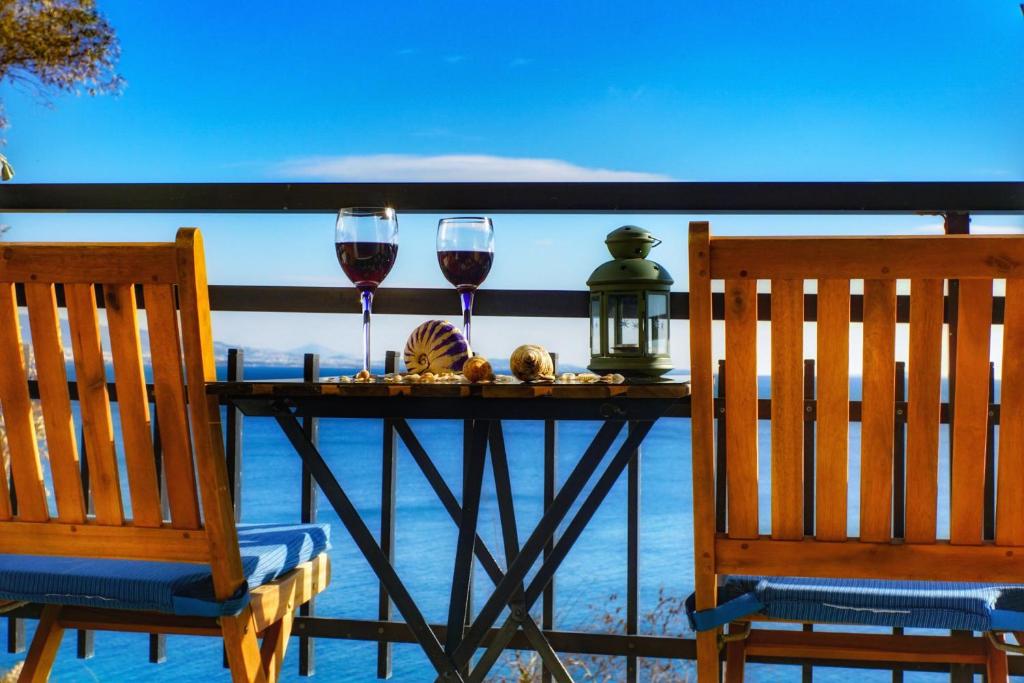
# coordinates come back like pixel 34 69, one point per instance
pixel 467 313
pixel 366 296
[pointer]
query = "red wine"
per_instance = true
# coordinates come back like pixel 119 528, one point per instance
pixel 465 269
pixel 366 263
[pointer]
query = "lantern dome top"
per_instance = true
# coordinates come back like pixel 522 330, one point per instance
pixel 630 245
pixel 631 241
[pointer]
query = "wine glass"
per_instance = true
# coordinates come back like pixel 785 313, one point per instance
pixel 366 241
pixel 465 251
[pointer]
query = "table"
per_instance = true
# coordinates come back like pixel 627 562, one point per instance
pixel 483 407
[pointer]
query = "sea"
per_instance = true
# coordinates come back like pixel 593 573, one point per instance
pixel 590 584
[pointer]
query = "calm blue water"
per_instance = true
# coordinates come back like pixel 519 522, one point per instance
pixel 590 582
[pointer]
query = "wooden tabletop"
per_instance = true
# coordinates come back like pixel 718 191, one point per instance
pixel 666 389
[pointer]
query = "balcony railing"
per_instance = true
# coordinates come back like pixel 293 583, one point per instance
pixel 956 202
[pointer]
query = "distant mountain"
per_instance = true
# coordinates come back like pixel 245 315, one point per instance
pixel 254 355
pixel 290 357
pixel 318 349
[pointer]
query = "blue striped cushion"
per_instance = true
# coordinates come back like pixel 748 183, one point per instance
pixel 869 602
pixel 268 551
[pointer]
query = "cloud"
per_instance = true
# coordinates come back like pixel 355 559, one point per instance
pixel 520 61
pixel 455 59
pixel 449 168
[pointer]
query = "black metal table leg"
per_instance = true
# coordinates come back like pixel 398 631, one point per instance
pixel 472 482
pixel 593 500
pixel 447 498
pixel 364 539
pixel 510 537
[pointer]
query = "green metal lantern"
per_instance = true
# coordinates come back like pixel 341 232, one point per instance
pixel 629 308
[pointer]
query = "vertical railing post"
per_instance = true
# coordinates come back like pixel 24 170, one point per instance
pixel 389 480
pixel 158 641
pixel 85 646
pixel 899 462
pixel 311 428
pixel 807 671
pixel 720 461
pixel 550 480
pixel 632 555
pixel 990 459
pixel 899 476
pixel 233 428
pixel 15 626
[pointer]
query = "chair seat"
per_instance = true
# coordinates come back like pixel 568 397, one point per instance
pixel 268 551
pixel 869 602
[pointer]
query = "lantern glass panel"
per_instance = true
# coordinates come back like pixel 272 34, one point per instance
pixel 657 323
pixel 595 324
pixel 623 323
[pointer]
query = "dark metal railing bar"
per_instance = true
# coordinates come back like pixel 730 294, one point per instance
pixel 233 433
pixel 990 460
pixel 15 626
pixel 521 197
pixel 899 475
pixel 721 459
pixel 633 554
pixel 158 641
pixel 522 303
pixel 807 670
pixel 660 647
pixel 388 486
pixel 85 641
pixel 15 635
pixel 899 447
pixel 809 429
pixel 550 485
pixel 307 513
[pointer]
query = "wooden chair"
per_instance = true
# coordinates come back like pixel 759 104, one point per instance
pixel 875 579
pixel 180 570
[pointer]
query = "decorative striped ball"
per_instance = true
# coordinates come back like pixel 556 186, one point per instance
pixel 436 346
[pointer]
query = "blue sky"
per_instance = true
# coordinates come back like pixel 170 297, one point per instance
pixel 264 91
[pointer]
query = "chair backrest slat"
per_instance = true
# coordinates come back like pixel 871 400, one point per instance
pixel 741 402
pixel 970 412
pixel 204 412
pixel 878 410
pixel 26 468
pixel 94 402
pixel 168 389
pixel 1010 485
pixel 765 258
pixel 787 427
pixel 88 263
pixel 62 445
pixel 923 409
pixel 133 404
pixel 833 419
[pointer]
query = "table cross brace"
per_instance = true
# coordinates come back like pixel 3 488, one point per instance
pixel 363 538
pixel 510 535
pixel 531 551
pixel 564 544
